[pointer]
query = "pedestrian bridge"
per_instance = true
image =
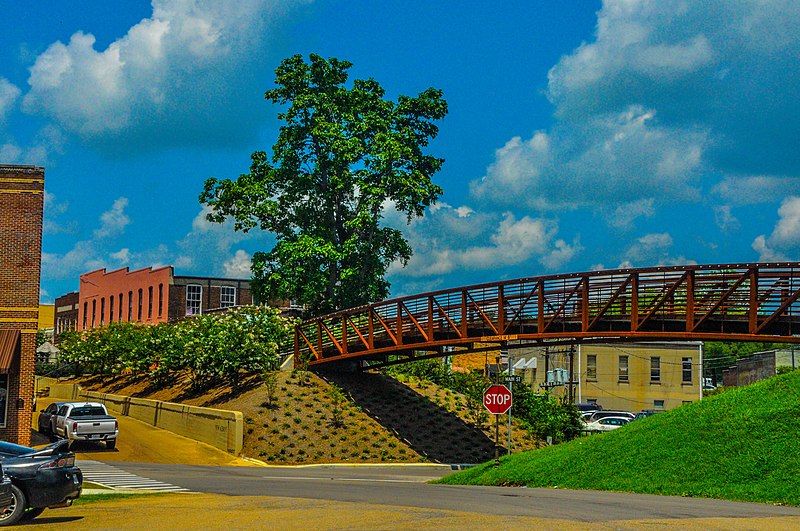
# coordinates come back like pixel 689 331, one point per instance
pixel 721 302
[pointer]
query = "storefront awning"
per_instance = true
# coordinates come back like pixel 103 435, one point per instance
pixel 9 345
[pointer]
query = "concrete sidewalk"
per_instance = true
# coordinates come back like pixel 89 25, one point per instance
pixel 139 442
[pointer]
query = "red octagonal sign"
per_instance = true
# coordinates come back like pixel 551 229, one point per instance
pixel 497 399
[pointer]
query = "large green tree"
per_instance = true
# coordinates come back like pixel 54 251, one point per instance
pixel 344 154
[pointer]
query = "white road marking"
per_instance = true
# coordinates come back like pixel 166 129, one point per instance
pixel 110 476
pixel 343 479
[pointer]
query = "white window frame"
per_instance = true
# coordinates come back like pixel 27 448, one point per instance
pixel 687 367
pixel 227 300
pixel 624 375
pixel 194 298
pixel 655 369
pixel 591 367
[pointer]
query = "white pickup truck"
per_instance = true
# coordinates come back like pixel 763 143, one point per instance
pixel 86 421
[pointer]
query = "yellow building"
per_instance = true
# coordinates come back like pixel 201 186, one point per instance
pixel 633 377
pixel 624 376
pixel 47 315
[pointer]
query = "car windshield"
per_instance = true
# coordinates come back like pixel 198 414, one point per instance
pixel 87 411
pixel 7 448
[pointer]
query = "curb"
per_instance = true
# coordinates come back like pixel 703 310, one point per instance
pixel 460 466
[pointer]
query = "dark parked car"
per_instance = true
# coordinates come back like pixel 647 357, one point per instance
pixel 647 413
pixel 6 498
pixel 45 478
pixel 584 408
pixel 47 419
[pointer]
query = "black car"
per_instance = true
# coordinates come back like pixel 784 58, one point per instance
pixel 6 498
pixel 45 478
pixel 647 413
pixel 47 419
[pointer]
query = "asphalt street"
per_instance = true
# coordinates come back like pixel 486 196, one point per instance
pixel 403 486
pixel 231 493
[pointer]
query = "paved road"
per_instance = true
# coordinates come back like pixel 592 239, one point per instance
pixel 116 478
pixel 403 486
pixel 362 497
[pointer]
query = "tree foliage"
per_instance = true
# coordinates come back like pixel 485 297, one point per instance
pixel 343 155
pixel 719 355
pixel 542 414
pixel 210 347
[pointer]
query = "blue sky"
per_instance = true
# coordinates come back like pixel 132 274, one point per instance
pixel 581 134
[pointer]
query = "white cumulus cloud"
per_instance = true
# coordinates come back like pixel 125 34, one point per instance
pixel 113 221
pixel 452 239
pixel 785 238
pixel 667 102
pixel 238 265
pixel 166 81
pixel 8 97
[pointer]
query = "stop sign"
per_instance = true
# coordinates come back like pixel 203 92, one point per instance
pixel 497 399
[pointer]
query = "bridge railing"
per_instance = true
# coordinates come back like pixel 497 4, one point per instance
pixel 745 302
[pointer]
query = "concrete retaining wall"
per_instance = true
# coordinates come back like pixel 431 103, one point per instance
pixel 217 427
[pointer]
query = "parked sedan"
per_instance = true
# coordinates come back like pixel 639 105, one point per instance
pixel 607 424
pixel 646 413
pixel 45 478
pixel 597 415
pixel 47 419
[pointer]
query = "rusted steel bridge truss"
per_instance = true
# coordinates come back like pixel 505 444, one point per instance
pixel 725 302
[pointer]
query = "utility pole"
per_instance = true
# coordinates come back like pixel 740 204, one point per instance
pixel 546 363
pixel 504 352
pixel 571 368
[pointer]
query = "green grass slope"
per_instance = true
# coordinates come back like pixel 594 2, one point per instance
pixel 743 444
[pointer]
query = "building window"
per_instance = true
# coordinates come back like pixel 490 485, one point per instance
pixel 592 401
pixel 160 300
pixel 655 369
pixel 194 294
pixel 658 404
pixel 623 368
pixel 687 370
pixel 85 313
pixel 227 296
pixel 139 312
pixel 120 308
pixel 150 302
pixel 111 309
pixel 102 311
pixel 591 366
pixel 3 399
pixel 94 311
pixel 130 305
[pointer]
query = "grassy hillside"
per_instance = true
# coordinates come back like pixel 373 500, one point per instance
pixel 743 444
pixel 382 420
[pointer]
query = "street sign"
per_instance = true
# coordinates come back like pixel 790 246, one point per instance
pixel 512 379
pixel 497 399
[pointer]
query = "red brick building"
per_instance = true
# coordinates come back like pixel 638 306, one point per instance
pixel 21 206
pixel 151 296
pixel 65 314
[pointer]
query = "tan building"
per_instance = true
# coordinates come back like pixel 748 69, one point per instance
pixel 633 377
pixel 624 376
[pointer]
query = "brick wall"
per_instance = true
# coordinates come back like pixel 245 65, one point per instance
pixel 66 314
pixel 102 291
pixel 21 204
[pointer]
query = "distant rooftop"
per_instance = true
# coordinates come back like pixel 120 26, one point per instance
pixel 20 167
